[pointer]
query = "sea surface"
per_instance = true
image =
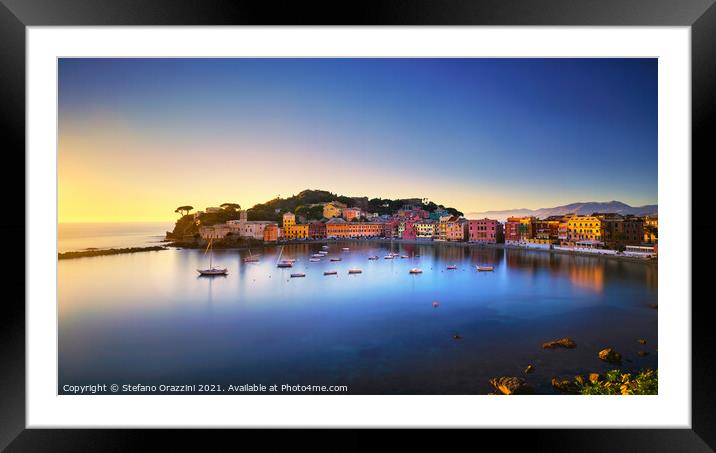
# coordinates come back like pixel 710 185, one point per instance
pixel 148 318
pixel 72 237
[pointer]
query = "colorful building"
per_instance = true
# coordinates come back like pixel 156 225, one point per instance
pixel 339 228
pixel 651 229
pixel 484 231
pixel 546 228
pixel 408 230
pixel 271 233
pixel 351 213
pixel 333 209
pixel 584 228
pixel 424 229
pixel 291 230
pixel 518 229
pixel 316 230
pixel 451 228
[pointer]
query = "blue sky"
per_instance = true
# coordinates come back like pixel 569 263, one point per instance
pixel 478 134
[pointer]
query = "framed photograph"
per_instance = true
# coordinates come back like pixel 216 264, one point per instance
pixel 429 216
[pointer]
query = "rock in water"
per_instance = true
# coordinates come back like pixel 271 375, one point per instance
pixel 510 385
pixel 565 385
pixel 610 355
pixel 562 343
pixel 530 368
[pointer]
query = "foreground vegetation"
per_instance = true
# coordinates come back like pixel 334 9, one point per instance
pixel 103 252
pixel 617 383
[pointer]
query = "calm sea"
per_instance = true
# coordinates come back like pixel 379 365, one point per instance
pixel 147 318
pixel 81 236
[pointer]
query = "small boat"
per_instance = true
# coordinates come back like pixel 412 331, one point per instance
pixel 388 257
pixel 373 257
pixel 212 270
pixel 345 249
pixel 324 247
pixel 323 252
pixel 355 271
pixel 452 267
pixel 284 263
pixel 485 268
pixel 316 255
pixel 251 258
pixel 330 273
pixel 404 256
pixel 314 260
pixel 436 304
pixel 335 259
pixel 298 274
pixel 416 270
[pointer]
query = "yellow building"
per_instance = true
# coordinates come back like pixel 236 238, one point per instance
pixel 291 230
pixel 333 209
pixel 425 230
pixel 651 228
pixel 584 228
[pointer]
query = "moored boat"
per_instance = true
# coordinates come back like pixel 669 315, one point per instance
pixel 314 260
pixel 345 249
pixel 355 271
pixel 330 273
pixel 298 274
pixel 485 268
pixel 212 270
pixel 374 257
pixel 416 270
pixel 388 257
pixel 284 263
pixel 335 259
pixel 452 267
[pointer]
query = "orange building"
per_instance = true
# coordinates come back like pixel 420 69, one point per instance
pixel 339 228
pixel 292 230
pixel 351 213
pixel 271 233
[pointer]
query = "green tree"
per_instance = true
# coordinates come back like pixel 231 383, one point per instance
pixel 183 210
pixel 230 206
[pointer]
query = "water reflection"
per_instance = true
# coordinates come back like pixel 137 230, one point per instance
pixel 148 317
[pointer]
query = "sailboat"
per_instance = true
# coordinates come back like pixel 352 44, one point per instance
pixel 251 258
pixel 212 270
pixel 283 263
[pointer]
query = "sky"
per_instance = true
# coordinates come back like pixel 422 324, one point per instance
pixel 139 137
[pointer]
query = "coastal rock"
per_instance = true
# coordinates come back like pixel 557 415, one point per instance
pixel 456 337
pixel 641 341
pixel 561 343
pixel 565 386
pixel 610 355
pixel 642 353
pixel 530 368
pixel 510 385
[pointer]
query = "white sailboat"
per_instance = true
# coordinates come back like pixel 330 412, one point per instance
pixel 212 270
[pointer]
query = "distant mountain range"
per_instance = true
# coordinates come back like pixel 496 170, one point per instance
pixel 579 208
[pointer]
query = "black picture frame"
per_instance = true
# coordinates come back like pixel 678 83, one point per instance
pixel 16 15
